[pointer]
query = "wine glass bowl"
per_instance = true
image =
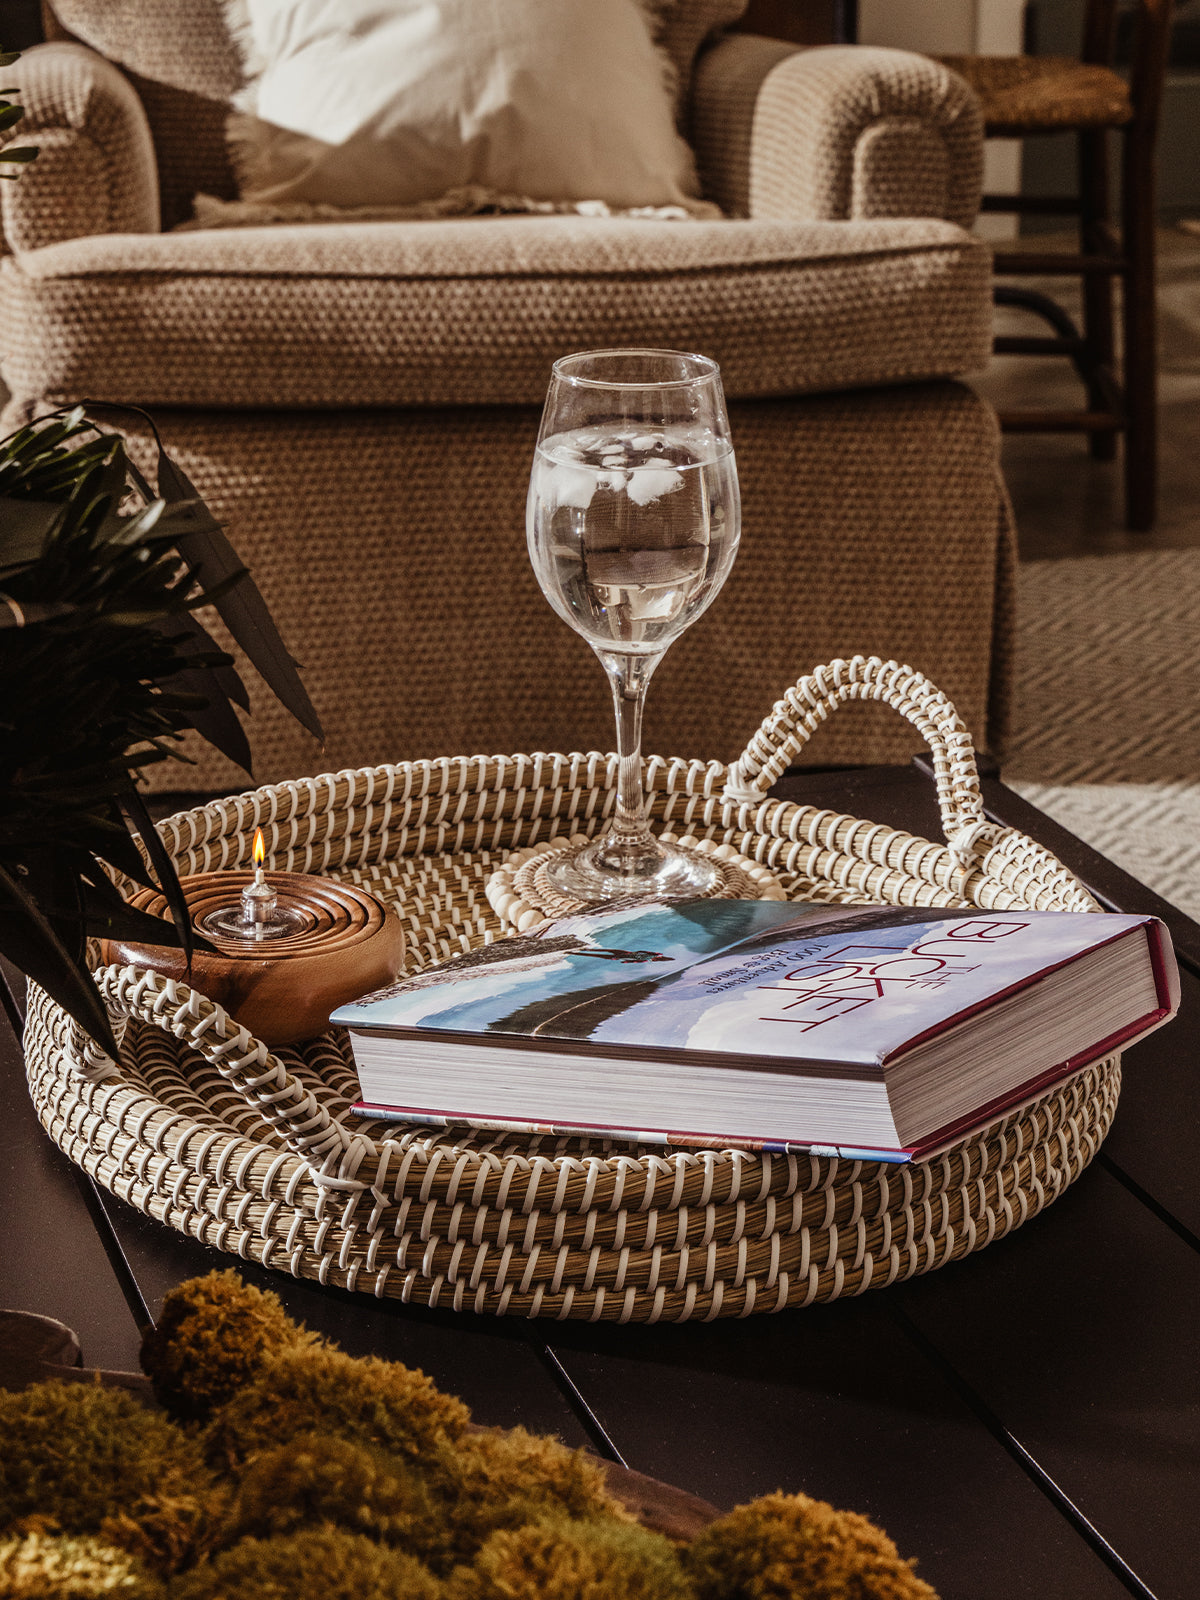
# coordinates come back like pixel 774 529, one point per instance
pixel 633 521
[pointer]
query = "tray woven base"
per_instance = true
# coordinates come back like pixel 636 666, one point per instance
pixel 548 1227
pixel 202 1127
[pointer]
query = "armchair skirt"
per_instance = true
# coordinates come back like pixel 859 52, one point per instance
pixel 391 547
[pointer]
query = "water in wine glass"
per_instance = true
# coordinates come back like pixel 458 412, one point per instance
pixel 633 529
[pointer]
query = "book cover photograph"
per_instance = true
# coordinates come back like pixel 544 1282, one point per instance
pixel 733 975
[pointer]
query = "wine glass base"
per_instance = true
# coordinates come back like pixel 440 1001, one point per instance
pixel 523 892
pixel 599 873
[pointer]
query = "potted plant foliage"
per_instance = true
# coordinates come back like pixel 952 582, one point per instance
pixel 105 666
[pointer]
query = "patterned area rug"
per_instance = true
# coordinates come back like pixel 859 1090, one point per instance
pixel 1108 709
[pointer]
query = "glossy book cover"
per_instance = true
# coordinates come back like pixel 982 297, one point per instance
pixel 741 978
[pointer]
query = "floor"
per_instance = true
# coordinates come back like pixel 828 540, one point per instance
pixel 1106 734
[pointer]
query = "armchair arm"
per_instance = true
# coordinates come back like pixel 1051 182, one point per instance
pixel 835 133
pixel 96 172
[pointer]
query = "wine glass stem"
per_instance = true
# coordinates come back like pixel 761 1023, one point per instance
pixel 628 676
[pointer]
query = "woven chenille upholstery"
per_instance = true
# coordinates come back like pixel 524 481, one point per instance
pixel 881 135
pixel 359 401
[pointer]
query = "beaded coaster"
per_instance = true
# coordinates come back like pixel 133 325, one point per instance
pixel 522 897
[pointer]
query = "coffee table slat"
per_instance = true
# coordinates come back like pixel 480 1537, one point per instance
pixel 1078 1332
pixel 836 1402
pixel 42 1197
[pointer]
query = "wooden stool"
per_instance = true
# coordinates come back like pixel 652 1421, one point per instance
pixel 1025 95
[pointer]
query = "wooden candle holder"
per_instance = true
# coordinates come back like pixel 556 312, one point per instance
pixel 344 944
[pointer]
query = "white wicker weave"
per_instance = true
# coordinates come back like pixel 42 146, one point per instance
pixel 201 1126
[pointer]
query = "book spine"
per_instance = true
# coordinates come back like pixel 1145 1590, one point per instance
pixel 1166 967
pixel 652 1136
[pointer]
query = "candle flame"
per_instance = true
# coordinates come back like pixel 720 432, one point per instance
pixel 260 849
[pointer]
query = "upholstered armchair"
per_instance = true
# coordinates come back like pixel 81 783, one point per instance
pixel 358 401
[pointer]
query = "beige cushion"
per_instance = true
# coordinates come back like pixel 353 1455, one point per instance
pixel 475 312
pixel 377 102
pixel 185 67
pixel 186 43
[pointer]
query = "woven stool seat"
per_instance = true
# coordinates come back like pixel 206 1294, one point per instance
pixel 258 1153
pixel 1023 95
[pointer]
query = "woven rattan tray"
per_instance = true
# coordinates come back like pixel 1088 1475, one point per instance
pixel 202 1127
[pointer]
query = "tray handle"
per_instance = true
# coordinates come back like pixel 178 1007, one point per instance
pixel 331 1154
pixel 804 707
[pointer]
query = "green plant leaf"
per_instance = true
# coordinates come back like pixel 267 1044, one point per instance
pixel 110 916
pixel 109 840
pixel 31 944
pixel 222 669
pixel 214 718
pixel 243 610
pixel 25 530
pixel 14 615
pixel 164 870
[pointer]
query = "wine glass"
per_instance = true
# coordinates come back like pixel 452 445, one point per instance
pixel 633 521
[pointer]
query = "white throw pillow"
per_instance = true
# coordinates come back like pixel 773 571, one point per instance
pixel 394 102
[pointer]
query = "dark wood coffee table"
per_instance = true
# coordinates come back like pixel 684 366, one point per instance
pixel 1025 1422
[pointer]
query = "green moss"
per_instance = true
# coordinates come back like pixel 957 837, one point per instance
pixel 358 1480
pixel 782 1546
pixel 316 1479
pixel 527 1466
pixel 318 1390
pixel 440 1508
pixel 328 1563
pixel 167 1532
pixel 592 1559
pixel 213 1335
pixel 492 1480
pixel 84 1459
pixel 43 1567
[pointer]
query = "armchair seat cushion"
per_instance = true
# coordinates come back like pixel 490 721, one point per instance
pixel 474 312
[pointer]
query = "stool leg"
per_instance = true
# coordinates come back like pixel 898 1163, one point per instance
pixel 1094 216
pixel 1140 327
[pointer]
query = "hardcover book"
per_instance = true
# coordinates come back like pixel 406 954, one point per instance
pixel 879 1031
